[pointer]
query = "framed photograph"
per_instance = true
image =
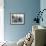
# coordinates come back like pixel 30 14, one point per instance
pixel 17 18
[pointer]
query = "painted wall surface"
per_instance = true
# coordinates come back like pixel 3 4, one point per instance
pixel 43 6
pixel 1 20
pixel 28 7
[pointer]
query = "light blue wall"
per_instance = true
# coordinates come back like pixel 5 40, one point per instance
pixel 28 7
pixel 43 6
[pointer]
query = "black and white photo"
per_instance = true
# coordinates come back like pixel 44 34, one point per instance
pixel 17 18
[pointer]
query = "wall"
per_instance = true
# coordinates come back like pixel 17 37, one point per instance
pixel 43 6
pixel 28 7
pixel 1 20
